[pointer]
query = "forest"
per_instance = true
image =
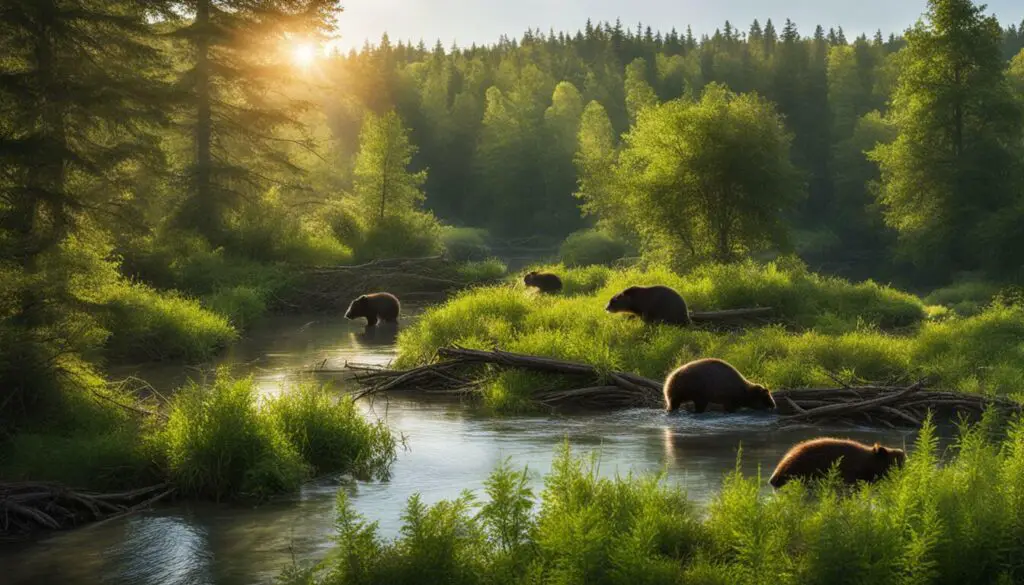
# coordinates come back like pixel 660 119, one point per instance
pixel 173 172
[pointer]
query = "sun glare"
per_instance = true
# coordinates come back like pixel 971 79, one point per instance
pixel 304 54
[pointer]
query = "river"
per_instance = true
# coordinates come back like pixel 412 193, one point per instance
pixel 450 447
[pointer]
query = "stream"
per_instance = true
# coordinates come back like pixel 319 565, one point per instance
pixel 450 447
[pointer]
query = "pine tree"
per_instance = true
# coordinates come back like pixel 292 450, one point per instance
pixel 234 56
pixel 75 123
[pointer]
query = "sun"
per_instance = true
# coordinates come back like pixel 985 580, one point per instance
pixel 303 54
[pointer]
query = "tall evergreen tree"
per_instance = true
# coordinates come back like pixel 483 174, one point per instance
pixel 236 52
pixel 78 107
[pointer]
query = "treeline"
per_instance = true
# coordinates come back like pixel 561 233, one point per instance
pixel 498 128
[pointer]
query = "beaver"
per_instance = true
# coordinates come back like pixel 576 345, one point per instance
pixel 653 304
pixel 545 281
pixel 857 461
pixel 373 306
pixel 712 380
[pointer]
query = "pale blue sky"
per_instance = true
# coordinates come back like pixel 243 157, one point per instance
pixel 482 21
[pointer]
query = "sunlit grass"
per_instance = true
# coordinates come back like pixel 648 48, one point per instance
pixel 829 326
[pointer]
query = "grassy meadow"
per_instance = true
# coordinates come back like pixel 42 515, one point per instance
pixel 823 326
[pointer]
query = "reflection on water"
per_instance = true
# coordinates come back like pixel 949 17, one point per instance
pixel 450 449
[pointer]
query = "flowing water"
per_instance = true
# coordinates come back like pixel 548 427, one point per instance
pixel 449 448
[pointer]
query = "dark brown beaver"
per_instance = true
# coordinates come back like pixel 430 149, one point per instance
pixel 712 380
pixel 653 304
pixel 373 306
pixel 857 461
pixel 545 281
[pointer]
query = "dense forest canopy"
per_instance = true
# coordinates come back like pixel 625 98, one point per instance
pixel 188 145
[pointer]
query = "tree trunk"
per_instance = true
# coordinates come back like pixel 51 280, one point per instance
pixel 206 216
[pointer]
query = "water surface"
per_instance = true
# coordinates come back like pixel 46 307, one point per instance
pixel 450 448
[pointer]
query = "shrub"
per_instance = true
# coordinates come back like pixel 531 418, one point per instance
pixel 149 325
pixel 957 524
pixel 220 444
pixel 466 244
pixel 589 247
pixel 483 271
pixel 411 235
pixel 241 305
pixel 330 433
pixel 966 298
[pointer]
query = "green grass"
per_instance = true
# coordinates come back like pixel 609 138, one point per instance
pixel 330 434
pixel 483 270
pixel 967 298
pixel 222 441
pixel 861 330
pixel 591 247
pixel 466 244
pixel 958 523
pixel 149 325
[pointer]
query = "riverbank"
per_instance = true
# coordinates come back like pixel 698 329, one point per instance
pixel 822 329
pixel 957 523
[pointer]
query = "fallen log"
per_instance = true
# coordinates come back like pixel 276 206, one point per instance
pixel 459 370
pixel 27 508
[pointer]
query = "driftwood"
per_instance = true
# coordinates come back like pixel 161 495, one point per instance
pixel 28 507
pixel 460 371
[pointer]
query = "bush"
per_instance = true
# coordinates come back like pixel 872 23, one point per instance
pixel 221 441
pixel 412 235
pixel 589 247
pixel 966 298
pixel 330 434
pixel 148 325
pixel 220 444
pixel 241 305
pixel 486 270
pixel 957 524
pixel 466 244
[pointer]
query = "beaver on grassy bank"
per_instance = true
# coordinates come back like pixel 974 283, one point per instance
pixel 653 304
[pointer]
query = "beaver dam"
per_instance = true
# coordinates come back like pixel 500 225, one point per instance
pixel 463 372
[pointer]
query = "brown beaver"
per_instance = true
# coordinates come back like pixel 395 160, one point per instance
pixel 712 380
pixel 373 306
pixel 857 461
pixel 653 304
pixel 545 281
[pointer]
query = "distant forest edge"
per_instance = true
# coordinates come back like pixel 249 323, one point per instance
pixel 506 131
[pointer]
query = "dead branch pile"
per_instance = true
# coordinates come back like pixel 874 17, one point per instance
pixel 460 371
pixel 331 289
pixel 28 507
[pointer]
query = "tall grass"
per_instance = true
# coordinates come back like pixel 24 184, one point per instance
pixel 149 325
pixel 960 523
pixel 221 441
pixel 863 330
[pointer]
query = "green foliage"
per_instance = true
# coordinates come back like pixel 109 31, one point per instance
pixel 967 297
pixel 383 185
pixel 220 444
pixel 829 326
pixel 946 180
pixel 483 271
pixel 590 247
pixel 466 244
pixel 411 235
pixel 692 201
pixel 330 434
pixel 148 325
pixel 956 523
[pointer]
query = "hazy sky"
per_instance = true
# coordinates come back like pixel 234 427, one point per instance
pixel 482 21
